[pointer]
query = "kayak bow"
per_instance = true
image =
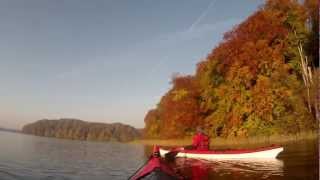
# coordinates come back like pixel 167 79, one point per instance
pixel 155 169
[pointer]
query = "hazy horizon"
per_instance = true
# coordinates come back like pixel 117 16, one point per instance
pixel 102 61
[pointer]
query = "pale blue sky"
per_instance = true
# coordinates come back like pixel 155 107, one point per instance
pixel 102 60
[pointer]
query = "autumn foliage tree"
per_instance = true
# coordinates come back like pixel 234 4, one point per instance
pixel 178 112
pixel 251 84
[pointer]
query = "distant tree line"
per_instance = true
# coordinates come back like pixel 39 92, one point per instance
pixel 82 130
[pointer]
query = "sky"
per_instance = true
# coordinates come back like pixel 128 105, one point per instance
pixel 103 60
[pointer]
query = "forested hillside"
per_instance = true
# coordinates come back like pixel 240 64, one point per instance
pixel 82 130
pixel 259 81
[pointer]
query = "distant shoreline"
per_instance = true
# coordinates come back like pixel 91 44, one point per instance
pixel 82 130
pixel 234 142
pixel 10 130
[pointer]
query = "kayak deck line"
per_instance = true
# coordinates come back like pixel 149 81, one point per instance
pixel 257 153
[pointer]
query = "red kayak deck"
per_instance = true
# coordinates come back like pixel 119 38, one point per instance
pixel 155 167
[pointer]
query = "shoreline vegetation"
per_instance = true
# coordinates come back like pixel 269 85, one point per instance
pixel 261 80
pixel 234 142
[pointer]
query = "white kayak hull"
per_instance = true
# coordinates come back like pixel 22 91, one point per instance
pixel 261 153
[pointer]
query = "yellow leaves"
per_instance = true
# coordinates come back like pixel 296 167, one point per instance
pixel 288 92
pixel 240 76
pixel 262 97
pixel 222 90
pixel 179 94
pixel 247 108
pixel 263 84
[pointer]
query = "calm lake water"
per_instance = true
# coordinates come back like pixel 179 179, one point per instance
pixel 25 157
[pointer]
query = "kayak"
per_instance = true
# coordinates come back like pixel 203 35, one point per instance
pixel 155 169
pixel 258 153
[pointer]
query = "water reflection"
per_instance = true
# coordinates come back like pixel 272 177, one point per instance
pixel 203 169
pixel 35 158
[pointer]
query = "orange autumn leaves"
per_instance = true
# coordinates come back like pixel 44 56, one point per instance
pixel 249 85
pixel 178 110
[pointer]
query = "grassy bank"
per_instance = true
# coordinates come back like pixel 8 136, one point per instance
pixel 234 142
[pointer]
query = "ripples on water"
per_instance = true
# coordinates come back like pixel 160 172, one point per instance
pixel 24 157
pixel 31 158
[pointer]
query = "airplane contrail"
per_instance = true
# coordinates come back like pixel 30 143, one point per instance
pixel 203 14
pixel 164 58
